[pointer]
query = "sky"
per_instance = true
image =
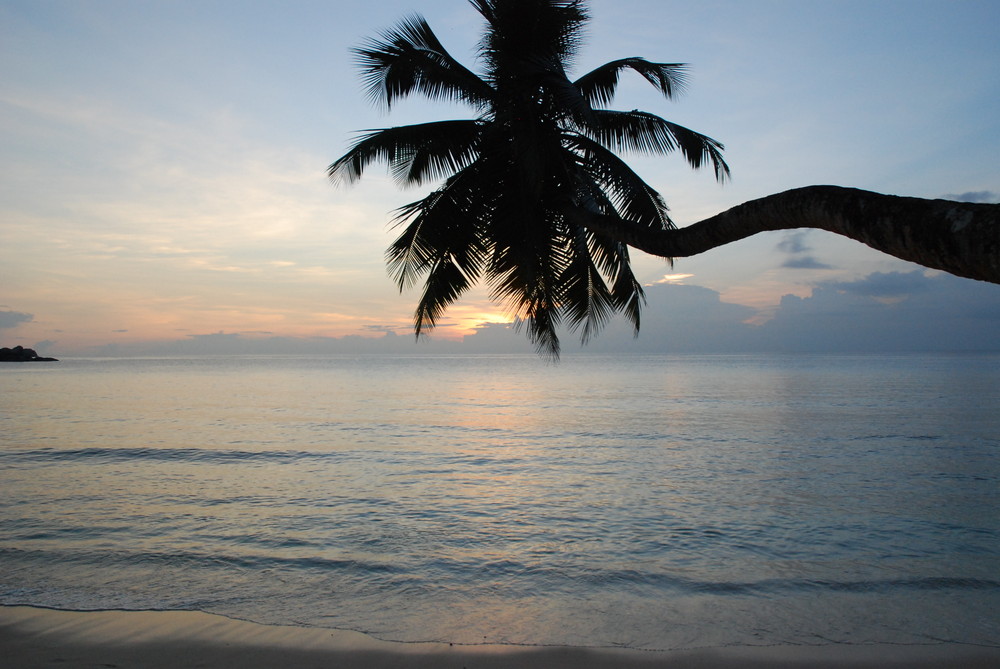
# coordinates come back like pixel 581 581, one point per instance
pixel 163 173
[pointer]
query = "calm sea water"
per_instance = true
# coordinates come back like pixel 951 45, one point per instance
pixel 647 502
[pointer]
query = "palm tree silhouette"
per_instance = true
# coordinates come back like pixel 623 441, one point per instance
pixel 519 181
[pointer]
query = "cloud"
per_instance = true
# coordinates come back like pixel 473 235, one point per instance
pixel 497 338
pixel 805 262
pixel 44 345
pixel 883 284
pixel 973 196
pixel 793 242
pixel 891 312
pixel 888 312
pixel 11 319
pixel 386 329
pixel 794 245
pixel 678 318
pixel 673 278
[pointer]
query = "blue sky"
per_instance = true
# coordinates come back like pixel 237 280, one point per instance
pixel 163 165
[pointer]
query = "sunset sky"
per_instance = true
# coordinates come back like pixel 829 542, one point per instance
pixel 163 163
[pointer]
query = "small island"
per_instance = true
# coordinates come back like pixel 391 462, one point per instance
pixel 21 354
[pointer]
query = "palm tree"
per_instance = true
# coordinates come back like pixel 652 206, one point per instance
pixel 521 184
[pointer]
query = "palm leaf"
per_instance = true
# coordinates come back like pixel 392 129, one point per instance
pixel 626 291
pixel 527 259
pixel 446 281
pixel 632 197
pixel 648 133
pixel 410 58
pixel 415 153
pixel 441 224
pixel 600 84
pixel 587 301
pixel 529 30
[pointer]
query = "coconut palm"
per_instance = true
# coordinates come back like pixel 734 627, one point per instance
pixel 518 183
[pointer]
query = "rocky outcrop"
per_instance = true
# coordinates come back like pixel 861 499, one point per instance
pixel 21 354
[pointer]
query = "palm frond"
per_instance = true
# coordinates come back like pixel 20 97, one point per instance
pixel 542 324
pixel 445 223
pixel 529 29
pixel 528 256
pixel 587 301
pixel 632 197
pixel 600 84
pixel 627 294
pixel 648 133
pixel 530 291
pixel 446 281
pixel 568 104
pixel 410 58
pixel 414 153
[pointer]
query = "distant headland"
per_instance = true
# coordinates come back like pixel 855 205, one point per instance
pixel 21 354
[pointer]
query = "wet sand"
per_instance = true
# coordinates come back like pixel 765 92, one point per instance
pixel 34 637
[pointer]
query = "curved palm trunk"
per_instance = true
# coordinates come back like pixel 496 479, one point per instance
pixel 958 237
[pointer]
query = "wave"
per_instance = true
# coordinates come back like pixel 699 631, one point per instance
pixel 104 455
pixel 513 574
pixel 186 559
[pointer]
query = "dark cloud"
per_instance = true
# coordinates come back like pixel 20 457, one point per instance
pixel 793 242
pixel 882 312
pixel 215 336
pixel 940 313
pixel 387 329
pixel 11 319
pixel 497 338
pixel 884 284
pixel 805 262
pixel 794 245
pixel 119 331
pixel 973 196
pixel 678 318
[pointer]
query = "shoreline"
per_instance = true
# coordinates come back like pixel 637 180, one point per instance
pixel 33 637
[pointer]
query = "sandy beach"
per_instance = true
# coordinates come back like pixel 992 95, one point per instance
pixel 34 637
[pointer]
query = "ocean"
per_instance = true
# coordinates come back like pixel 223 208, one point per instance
pixel 649 502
